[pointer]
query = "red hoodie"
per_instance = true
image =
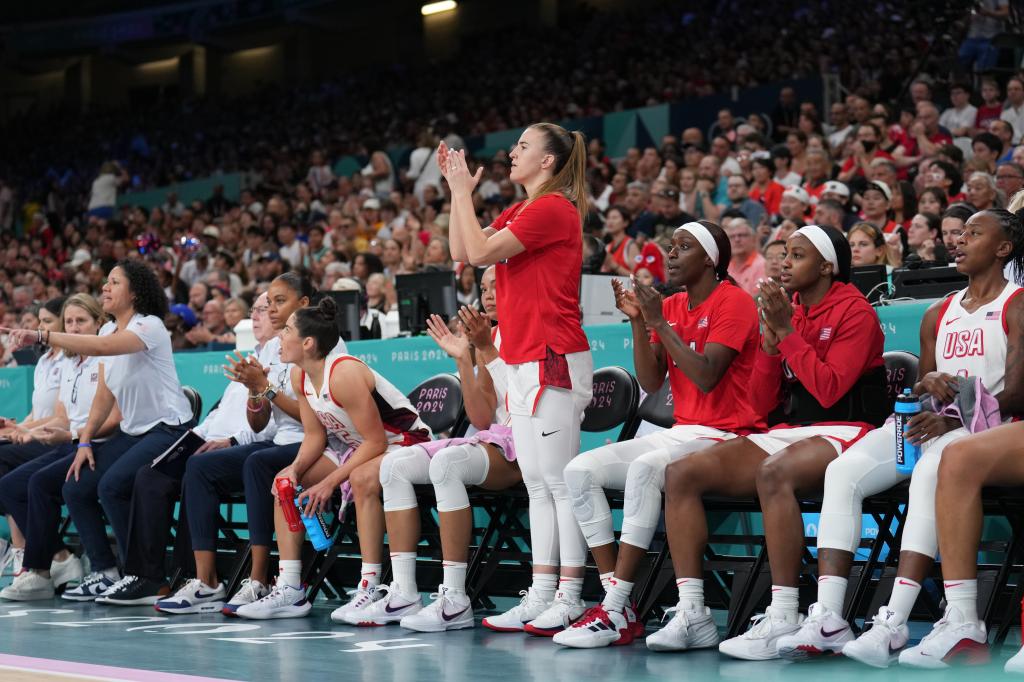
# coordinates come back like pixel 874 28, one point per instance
pixel 834 344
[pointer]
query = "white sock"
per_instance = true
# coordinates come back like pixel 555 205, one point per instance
pixel 963 594
pixel 290 572
pixel 572 588
pixel 618 595
pixel 606 580
pixel 369 575
pixel 111 573
pixel 786 601
pixel 454 575
pixel 904 595
pixel 545 584
pixel 403 565
pixel 832 592
pixel 691 593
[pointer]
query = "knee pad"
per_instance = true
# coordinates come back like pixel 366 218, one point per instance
pixel 397 476
pixel 645 479
pixel 452 470
pixel 579 481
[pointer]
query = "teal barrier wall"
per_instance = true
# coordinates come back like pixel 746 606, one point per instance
pixel 407 362
pixel 187 191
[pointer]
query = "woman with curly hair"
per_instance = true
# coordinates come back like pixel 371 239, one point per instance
pixel 137 372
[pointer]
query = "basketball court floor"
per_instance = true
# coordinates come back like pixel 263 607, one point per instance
pixel 58 640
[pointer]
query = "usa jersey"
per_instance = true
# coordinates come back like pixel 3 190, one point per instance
pixel 402 423
pixel 974 344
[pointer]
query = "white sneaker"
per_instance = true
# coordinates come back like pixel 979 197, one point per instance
pixel 361 598
pixel 952 640
pixel 390 607
pixel 515 619
pixel 449 610
pixel 879 646
pixel 93 586
pixel 562 612
pixel 822 632
pixel 28 586
pixel 195 596
pixel 248 592
pixel 1015 664
pixel 760 642
pixel 284 601
pixel 64 572
pixel 688 629
pixel 596 628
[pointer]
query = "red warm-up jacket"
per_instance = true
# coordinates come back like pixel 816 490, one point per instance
pixel 830 370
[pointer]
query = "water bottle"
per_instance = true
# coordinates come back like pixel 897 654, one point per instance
pixel 907 453
pixel 286 498
pixel 316 527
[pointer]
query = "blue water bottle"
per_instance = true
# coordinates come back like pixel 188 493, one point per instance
pixel 907 453
pixel 316 527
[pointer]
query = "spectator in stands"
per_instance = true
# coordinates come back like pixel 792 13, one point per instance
pixel 817 173
pixel 991 107
pixel 840 128
pixel 782 157
pixel 622 251
pixel 319 177
pixel 864 150
pixel 196 267
pixel 235 310
pixel 103 197
pixel 1004 131
pixel 986 22
pixel 830 213
pixel 692 199
pixel 794 204
pixel 796 143
pixel 953 221
pixel 437 256
pixel 213 327
pixel 764 188
pixel 1013 109
pixel 924 239
pixel 944 176
pixel 785 115
pixel 738 200
pixel 932 200
pixel 1010 178
pixel 774 254
pixel 669 215
pixel 924 137
pixel 295 252
pixel 867 246
pixel 959 119
pixel 636 201
pixel 877 206
pixel 981 191
pixel 747 265
pixel 198 295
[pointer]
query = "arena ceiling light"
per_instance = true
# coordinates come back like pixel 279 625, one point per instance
pixel 437 7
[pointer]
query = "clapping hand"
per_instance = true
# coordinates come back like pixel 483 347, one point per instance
pixel 459 179
pixel 455 345
pixel 650 302
pixel 774 308
pixel 625 300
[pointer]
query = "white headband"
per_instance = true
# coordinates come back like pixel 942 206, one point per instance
pixel 703 235
pixel 822 243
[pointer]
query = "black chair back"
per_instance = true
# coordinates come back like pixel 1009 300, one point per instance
pixel 616 395
pixel 657 408
pixel 439 402
pixel 900 372
pixel 195 401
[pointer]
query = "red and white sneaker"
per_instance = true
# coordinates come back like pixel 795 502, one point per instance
pixel 562 613
pixel 952 640
pixel 599 628
pixel 638 627
pixel 822 633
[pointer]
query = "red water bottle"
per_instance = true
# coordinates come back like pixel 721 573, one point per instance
pixel 286 498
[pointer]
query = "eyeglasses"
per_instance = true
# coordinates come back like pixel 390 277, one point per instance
pixel 260 309
pixel 74 387
pixel 1009 176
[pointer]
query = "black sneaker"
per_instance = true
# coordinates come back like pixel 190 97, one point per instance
pixel 132 590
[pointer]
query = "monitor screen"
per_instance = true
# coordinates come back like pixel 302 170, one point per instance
pixel 349 313
pixel 423 294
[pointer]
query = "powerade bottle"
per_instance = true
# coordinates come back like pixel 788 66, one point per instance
pixel 907 453
pixel 316 527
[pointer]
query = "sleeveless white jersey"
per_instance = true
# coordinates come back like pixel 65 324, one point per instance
pixel 974 344
pixel 402 423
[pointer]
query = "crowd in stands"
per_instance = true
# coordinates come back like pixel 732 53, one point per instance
pixel 887 164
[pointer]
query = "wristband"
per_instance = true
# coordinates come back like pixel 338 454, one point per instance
pixel 258 409
pixel 84 445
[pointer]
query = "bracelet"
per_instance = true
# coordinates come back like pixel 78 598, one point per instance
pixel 84 445
pixel 39 336
pixel 258 409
